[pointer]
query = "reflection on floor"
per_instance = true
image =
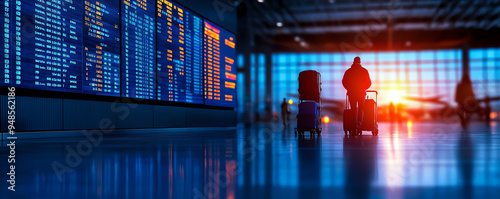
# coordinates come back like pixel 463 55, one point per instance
pixel 265 161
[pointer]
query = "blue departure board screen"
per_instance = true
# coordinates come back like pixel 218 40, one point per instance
pixel 48 45
pixel 138 49
pixel 101 41
pixel 66 46
pixel 179 55
pixel 5 28
pixel 219 57
pixel 146 49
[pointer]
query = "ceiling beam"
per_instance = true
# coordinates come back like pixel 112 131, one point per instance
pixel 491 14
pixel 372 27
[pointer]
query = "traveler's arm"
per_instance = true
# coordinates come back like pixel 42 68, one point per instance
pixel 344 80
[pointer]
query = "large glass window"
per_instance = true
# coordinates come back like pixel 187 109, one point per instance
pixel 395 74
pixel 426 73
pixel 485 72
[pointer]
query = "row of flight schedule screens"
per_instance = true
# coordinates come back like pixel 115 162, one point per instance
pixel 151 50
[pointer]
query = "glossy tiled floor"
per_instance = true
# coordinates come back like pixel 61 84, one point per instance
pixel 265 161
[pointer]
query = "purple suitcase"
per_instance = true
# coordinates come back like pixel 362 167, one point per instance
pixel 310 108
pixel 306 121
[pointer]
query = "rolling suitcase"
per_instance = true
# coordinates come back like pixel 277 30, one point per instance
pixel 370 122
pixel 310 85
pixel 349 124
pixel 309 117
pixel 369 116
pixel 311 108
pixel 306 121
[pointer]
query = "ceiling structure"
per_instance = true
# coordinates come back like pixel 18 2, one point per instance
pixel 368 25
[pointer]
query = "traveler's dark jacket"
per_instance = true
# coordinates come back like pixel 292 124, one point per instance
pixel 285 108
pixel 356 81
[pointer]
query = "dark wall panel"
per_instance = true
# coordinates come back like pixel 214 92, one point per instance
pixel 210 117
pixel 80 114
pixel 168 116
pixel 134 116
pixel 45 114
pixel 3 113
pixel 34 114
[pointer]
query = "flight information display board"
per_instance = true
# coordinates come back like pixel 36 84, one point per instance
pixel 5 28
pixel 138 49
pixel 179 54
pixel 101 41
pixel 154 49
pixel 48 45
pixel 55 50
pixel 219 57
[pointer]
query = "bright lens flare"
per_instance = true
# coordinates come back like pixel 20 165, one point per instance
pixel 290 102
pixel 326 119
pixel 395 96
pixel 493 115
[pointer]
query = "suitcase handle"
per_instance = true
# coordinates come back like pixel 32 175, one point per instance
pixel 347 105
pixel 372 91
pixel 346 101
pixel 376 94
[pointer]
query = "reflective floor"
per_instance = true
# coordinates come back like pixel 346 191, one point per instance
pixel 409 160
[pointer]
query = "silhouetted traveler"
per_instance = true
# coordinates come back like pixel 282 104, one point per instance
pixel 466 100
pixel 285 112
pixel 356 81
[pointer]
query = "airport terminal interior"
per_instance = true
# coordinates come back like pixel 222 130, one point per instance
pixel 250 99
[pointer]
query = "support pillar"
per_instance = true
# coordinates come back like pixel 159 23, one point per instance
pixel 269 85
pixel 256 91
pixel 465 61
pixel 248 44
